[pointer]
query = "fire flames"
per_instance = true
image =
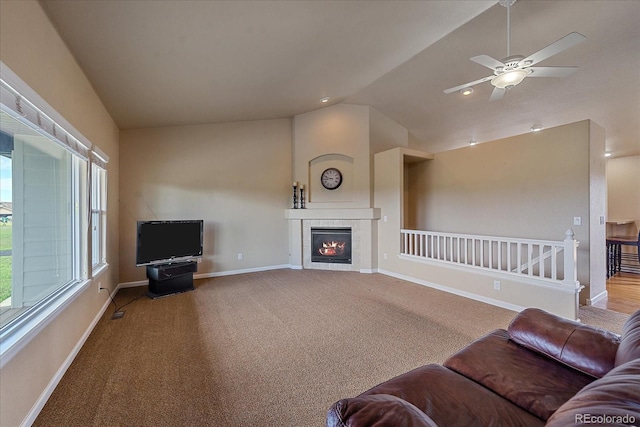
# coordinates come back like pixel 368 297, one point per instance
pixel 332 248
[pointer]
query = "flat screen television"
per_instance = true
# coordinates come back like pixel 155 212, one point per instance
pixel 162 242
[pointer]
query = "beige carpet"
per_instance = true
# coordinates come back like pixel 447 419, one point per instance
pixel 262 349
pixel 605 319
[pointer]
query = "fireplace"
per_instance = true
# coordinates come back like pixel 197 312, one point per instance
pixel 331 245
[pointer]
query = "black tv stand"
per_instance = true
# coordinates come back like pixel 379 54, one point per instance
pixel 169 279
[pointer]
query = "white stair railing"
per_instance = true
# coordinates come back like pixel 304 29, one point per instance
pixel 542 259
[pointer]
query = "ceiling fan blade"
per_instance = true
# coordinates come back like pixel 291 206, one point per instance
pixel 457 88
pixel 551 71
pixel 497 94
pixel 487 61
pixel 556 47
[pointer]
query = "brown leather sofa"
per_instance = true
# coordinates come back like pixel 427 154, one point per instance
pixel 543 370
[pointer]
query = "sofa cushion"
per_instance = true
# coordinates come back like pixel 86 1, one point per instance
pixel 629 348
pixel 612 400
pixel 376 410
pixel 450 399
pixel 530 380
pixel 588 349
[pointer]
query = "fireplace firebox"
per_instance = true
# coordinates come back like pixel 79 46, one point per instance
pixel 332 245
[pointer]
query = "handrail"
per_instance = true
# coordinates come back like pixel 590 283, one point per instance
pixel 542 259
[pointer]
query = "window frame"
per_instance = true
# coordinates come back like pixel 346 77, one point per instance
pixel 18 332
pixel 98 209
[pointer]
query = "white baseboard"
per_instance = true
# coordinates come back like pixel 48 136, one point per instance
pixel 243 271
pixel 602 295
pixel 209 275
pixel 130 285
pixel 491 301
pixel 46 393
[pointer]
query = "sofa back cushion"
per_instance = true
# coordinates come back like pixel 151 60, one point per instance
pixel 585 348
pixel 528 379
pixel 612 400
pixel 629 348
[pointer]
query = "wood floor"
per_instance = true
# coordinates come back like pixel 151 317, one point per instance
pixel 623 293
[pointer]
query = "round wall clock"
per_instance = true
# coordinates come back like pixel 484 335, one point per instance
pixel 331 178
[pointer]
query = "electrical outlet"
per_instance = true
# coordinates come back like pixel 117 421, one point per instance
pixel 385 255
pixel 496 285
pixel 385 218
pixel 577 220
pixel 239 256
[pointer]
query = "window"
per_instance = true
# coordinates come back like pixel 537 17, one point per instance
pixel 98 218
pixel 46 195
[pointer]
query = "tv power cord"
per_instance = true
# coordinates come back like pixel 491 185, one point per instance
pixel 117 312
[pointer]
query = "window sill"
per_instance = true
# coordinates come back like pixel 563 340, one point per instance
pixel 16 337
pixel 98 270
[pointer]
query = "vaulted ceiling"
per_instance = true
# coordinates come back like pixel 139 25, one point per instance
pixel 166 63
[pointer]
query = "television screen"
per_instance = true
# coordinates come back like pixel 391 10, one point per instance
pixel 168 241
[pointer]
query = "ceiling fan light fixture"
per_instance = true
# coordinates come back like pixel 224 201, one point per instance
pixel 325 99
pixel 536 128
pixel 473 142
pixel 509 79
pixel 466 91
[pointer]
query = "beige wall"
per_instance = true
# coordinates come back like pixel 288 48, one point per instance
pixel 529 186
pixel 623 189
pixel 597 284
pixel 623 198
pixel 345 137
pixel 235 176
pixel 384 134
pixel 336 136
pixel 31 48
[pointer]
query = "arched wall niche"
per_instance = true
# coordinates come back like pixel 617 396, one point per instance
pixel 345 164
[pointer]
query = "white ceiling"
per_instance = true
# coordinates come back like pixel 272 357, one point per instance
pixel 166 63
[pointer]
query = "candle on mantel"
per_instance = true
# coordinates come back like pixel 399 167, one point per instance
pixel 302 187
pixel 295 183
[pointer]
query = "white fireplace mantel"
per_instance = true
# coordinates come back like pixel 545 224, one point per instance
pixel 349 213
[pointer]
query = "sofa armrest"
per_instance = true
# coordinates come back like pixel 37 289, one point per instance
pixel 585 348
pixel 378 410
pixel 611 400
pixel 629 340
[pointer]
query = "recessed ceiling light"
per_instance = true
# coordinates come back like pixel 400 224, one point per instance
pixel 466 91
pixel 473 142
pixel 536 128
pixel 607 154
pixel 325 100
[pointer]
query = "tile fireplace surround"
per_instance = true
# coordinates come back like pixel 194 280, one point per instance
pixel 364 237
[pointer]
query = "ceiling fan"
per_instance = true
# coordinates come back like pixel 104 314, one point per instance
pixel 512 70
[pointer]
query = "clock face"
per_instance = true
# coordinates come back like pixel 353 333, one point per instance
pixel 331 178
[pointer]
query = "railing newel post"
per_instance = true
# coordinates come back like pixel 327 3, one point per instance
pixel 570 259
